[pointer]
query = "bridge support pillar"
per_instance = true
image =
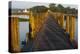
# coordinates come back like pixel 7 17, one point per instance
pixel 72 28
pixel 62 21
pixel 14 38
pixel 32 23
pixel 37 20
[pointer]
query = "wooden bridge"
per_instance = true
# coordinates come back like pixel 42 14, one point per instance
pixel 41 24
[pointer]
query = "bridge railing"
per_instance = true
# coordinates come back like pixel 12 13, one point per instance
pixel 66 22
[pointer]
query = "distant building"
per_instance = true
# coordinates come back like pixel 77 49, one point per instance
pixel 18 10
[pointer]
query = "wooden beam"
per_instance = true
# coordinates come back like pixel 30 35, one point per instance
pixel 15 44
pixel 21 13
pixel 62 21
pixel 32 23
pixel 72 28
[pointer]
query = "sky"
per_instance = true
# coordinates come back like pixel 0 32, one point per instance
pixel 26 5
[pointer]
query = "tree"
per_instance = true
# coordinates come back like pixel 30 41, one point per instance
pixel 73 10
pixel 60 8
pixel 53 7
pixel 67 10
pixel 38 9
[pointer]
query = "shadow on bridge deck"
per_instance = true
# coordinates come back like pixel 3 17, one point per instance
pixel 50 37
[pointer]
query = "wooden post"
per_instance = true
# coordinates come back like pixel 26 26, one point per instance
pixel 67 24
pixel 72 28
pixel 32 23
pixel 62 21
pixel 15 44
pixel 36 21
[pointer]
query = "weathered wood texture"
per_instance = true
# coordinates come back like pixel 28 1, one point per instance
pixel 36 21
pixel 72 28
pixel 15 45
pixel 70 22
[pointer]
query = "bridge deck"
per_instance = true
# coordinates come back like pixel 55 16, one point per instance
pixel 50 37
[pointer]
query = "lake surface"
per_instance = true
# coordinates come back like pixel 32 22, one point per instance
pixel 23 29
pixel 76 32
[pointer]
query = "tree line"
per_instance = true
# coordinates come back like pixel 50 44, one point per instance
pixel 54 8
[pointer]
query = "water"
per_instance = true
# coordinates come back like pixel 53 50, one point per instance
pixel 23 29
pixel 76 32
pixel 21 16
